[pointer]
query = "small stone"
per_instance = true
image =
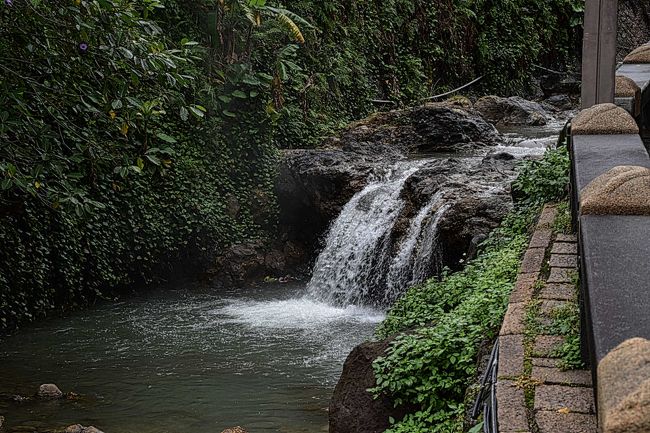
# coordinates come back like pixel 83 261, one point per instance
pixel 547 217
pixel 556 422
pixel 511 356
pixel 74 428
pixel 547 307
pixel 556 397
pixel 564 261
pixel 626 87
pixel 564 248
pixel 237 429
pixel 514 320
pixel 639 55
pixel 49 391
pixel 511 407
pixel 545 362
pixel 524 288
pixel 92 429
pixel 604 119
pixel 561 237
pixel 562 292
pixel 547 345
pixel 533 260
pixel 541 238
pixel 561 275
pixel 552 375
pixel 623 190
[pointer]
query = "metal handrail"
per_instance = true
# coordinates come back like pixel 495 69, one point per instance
pixel 486 400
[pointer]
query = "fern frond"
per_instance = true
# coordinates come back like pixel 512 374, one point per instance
pixel 292 27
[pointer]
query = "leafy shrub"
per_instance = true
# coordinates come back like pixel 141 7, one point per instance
pixel 441 324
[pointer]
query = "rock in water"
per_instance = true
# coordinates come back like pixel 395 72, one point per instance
pixel 2 421
pixel 49 391
pixel 78 428
pixel 352 408
pixel 511 111
pixel 237 429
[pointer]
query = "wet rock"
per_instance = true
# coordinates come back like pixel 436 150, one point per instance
pixel 2 421
pixel 352 408
pixel 49 391
pixel 511 111
pixel 255 260
pixel 468 222
pixel 237 429
pixel 559 102
pixel 78 428
pixel 560 84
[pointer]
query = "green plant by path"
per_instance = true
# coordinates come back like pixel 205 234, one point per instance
pixel 441 324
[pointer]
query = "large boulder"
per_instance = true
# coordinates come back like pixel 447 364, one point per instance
pixel 511 111
pixel 352 408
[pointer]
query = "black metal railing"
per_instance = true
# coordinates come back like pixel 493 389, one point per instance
pixel 486 401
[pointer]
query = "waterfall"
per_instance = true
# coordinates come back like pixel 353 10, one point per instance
pixel 356 254
pixel 419 255
pixel 358 264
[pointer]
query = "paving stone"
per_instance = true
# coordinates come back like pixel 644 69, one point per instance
pixel 541 238
pixel 553 375
pixel 555 422
pixel 545 362
pixel 564 248
pixel 547 307
pixel 547 217
pixel 566 292
pixel 514 320
pixel 533 260
pixel 564 261
pixel 561 275
pixel 546 345
pixel 524 288
pixel 511 355
pixel 561 237
pixel 511 407
pixel 556 397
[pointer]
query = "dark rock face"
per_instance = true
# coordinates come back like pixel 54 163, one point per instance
pixel 511 111
pixel 352 408
pixel 633 26
pixel 560 84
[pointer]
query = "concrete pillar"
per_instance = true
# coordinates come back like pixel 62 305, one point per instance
pixel 599 52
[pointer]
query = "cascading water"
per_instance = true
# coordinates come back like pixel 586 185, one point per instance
pixel 419 256
pixel 357 245
pixel 357 265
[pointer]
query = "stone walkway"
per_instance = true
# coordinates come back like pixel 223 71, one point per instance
pixel 533 393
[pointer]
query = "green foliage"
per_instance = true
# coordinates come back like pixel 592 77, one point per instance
pixel 440 325
pixel 545 179
pixel 114 160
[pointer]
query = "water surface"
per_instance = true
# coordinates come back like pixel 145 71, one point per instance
pixel 187 360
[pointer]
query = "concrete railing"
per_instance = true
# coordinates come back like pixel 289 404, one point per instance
pixel 610 180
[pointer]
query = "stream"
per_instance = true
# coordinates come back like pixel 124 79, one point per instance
pixel 187 360
pixel 194 358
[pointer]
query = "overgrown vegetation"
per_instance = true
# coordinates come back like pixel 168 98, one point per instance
pixel 135 134
pixel 442 323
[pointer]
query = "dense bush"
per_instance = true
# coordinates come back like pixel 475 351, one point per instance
pixel 430 366
pixel 114 160
pixel 125 145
